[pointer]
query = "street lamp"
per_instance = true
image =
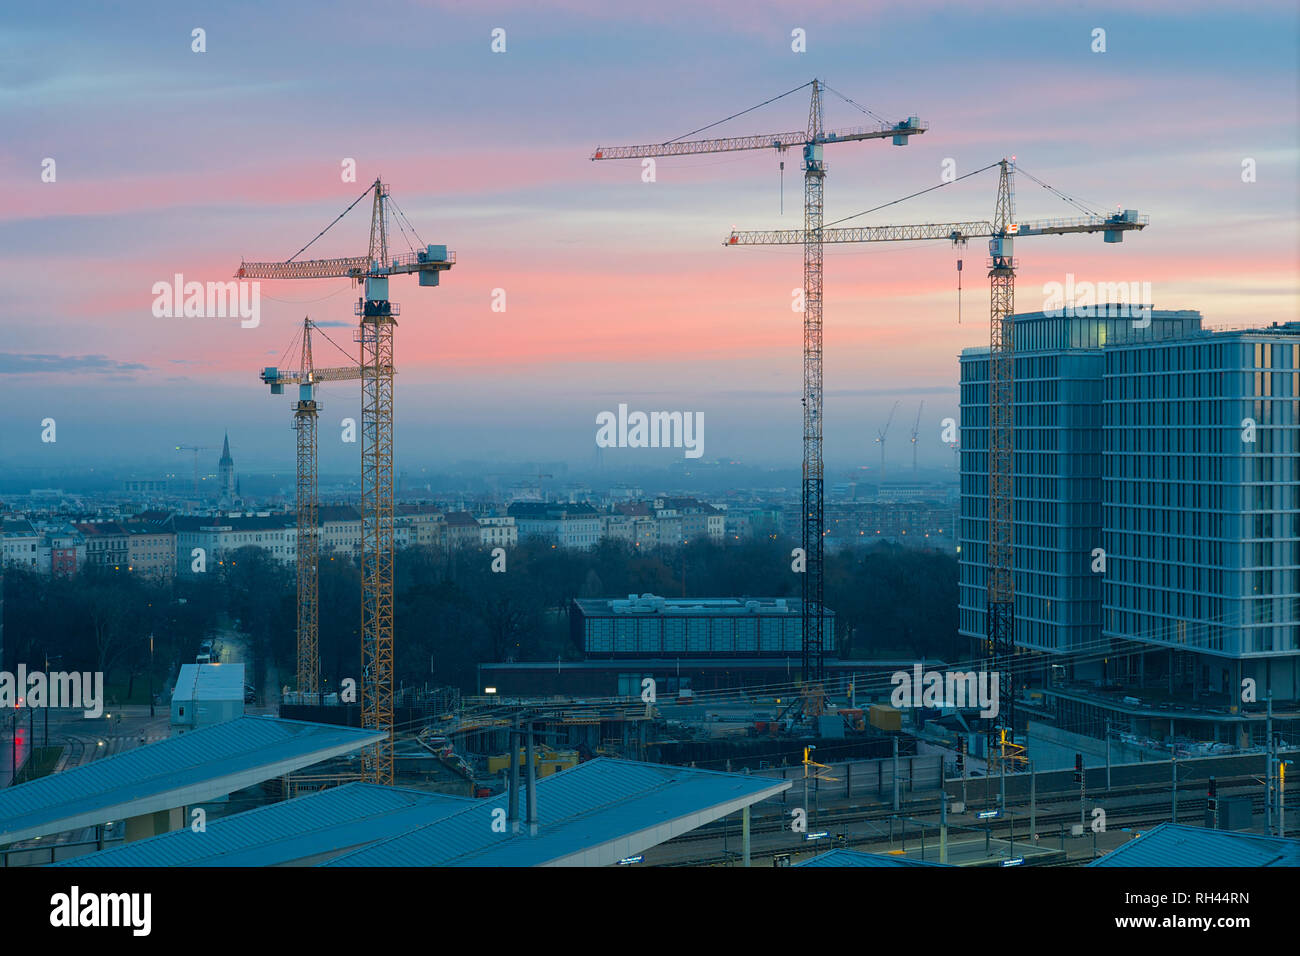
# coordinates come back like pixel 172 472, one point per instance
pixel 151 700
pixel 57 657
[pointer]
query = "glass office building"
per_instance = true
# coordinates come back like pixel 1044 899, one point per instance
pixel 1058 463
pixel 1201 504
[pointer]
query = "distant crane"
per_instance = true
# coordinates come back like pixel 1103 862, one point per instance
pixel 881 434
pixel 307 548
pixel 916 430
pixel 1000 617
pixel 196 449
pixel 812 140
pixel 375 335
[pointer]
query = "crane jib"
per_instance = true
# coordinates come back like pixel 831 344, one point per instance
pixel 780 141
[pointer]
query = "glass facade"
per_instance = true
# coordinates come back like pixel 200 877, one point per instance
pixel 1057 467
pixel 708 627
pixel 1202 494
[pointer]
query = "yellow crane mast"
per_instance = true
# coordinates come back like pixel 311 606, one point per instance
pixel 378 318
pixel 307 545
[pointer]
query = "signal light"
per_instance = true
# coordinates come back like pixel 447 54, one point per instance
pixel 1078 768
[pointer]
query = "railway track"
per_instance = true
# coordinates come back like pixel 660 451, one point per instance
pixel 1133 807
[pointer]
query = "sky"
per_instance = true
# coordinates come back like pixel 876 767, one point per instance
pixel 617 290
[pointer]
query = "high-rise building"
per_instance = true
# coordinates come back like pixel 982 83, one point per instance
pixel 1156 474
pixel 1057 470
pixel 1201 505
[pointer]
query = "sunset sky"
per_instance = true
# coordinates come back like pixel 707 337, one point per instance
pixel 170 161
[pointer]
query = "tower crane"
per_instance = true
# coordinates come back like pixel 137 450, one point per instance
pixel 196 449
pixel 1001 233
pixel 812 140
pixel 881 434
pixel 377 320
pixel 305 412
pixel 916 430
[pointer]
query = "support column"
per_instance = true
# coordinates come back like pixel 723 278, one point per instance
pixel 531 756
pixel 512 813
pixel 895 775
pixel 943 826
pixel 744 832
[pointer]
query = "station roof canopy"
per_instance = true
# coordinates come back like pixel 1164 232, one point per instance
pixel 195 767
pixel 594 814
pixel 1171 844
pixel 857 858
pixel 302 832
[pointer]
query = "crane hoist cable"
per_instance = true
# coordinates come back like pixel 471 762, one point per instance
pixel 1079 204
pixel 319 298
pixel 351 358
pixel 402 229
pixel 871 113
pixel 392 202
pixel 295 341
pixel 333 224
pixel 741 113
pixel 922 192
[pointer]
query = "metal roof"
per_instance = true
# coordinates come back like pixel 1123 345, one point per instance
pixel 193 768
pixel 856 665
pixel 624 663
pixel 594 814
pixel 858 858
pixel 634 607
pixel 302 831
pixel 1172 844
pixel 210 682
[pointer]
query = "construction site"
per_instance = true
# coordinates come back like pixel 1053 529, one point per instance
pixel 720 731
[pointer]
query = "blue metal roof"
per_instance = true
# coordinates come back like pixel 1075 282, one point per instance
pixel 858 858
pixel 1179 845
pixel 594 814
pixel 300 831
pixel 193 768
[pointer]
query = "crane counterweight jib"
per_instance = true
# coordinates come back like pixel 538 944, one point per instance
pixel 431 259
pixel 279 377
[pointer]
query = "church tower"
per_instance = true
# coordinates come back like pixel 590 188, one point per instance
pixel 226 474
